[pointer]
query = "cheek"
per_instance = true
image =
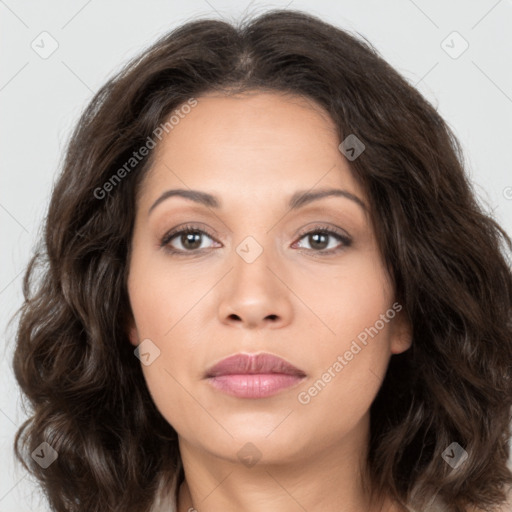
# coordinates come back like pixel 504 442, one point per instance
pixel 347 299
pixel 167 388
pixel 352 348
pixel 342 398
pixel 350 366
pixel 164 304
pixel 162 296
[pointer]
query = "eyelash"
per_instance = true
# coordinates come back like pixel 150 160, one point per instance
pixel 190 228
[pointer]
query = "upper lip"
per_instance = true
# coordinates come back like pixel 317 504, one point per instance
pixel 252 364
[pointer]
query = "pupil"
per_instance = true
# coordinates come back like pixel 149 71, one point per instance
pixel 188 238
pixel 315 237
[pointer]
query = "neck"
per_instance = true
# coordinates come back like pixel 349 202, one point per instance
pixel 330 479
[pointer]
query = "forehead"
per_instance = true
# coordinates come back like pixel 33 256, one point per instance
pixel 258 144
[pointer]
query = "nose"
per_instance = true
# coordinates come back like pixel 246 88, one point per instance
pixel 255 295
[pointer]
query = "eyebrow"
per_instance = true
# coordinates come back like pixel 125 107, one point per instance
pixel 297 200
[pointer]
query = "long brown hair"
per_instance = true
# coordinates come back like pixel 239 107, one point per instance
pixel 447 258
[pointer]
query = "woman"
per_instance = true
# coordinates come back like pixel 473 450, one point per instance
pixel 266 285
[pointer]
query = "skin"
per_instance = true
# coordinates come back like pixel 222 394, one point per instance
pixel 253 152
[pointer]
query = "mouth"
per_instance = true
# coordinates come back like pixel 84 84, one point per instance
pixel 253 375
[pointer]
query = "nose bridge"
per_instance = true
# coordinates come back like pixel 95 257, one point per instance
pixel 252 294
pixel 252 258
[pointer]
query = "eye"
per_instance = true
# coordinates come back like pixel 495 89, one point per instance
pixel 191 239
pixel 326 241
pixel 188 239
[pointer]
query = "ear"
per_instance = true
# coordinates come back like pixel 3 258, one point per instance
pixel 401 332
pixel 132 332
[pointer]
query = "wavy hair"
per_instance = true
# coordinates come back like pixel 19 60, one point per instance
pixel 447 258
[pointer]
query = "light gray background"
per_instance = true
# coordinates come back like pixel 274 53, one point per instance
pixel 40 101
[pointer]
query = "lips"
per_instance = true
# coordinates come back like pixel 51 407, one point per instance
pixel 251 364
pixel 253 375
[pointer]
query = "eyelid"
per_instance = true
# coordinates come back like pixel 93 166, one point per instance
pixel 324 226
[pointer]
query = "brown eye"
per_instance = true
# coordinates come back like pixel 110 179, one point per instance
pixel 189 239
pixel 318 240
pixel 325 241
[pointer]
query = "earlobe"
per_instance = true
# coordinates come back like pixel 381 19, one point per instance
pixel 401 333
pixel 133 335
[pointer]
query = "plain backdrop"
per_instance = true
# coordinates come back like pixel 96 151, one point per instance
pixel 466 75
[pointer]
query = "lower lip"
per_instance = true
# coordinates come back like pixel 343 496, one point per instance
pixel 258 385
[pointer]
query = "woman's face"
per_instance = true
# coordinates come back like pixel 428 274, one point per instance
pixel 250 279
